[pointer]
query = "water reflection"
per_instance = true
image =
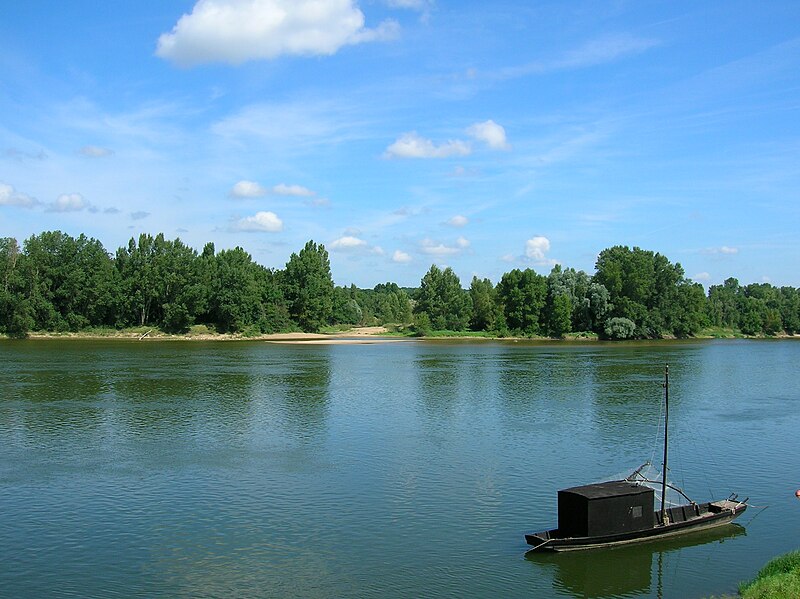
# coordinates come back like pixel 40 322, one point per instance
pixel 304 387
pixel 623 571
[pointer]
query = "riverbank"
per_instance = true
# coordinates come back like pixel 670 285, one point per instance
pixel 373 334
pixel 778 579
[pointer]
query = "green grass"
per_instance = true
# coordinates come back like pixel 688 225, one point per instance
pixel 336 328
pixel 780 578
pixel 721 333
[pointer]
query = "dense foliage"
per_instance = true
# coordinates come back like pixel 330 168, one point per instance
pixel 55 282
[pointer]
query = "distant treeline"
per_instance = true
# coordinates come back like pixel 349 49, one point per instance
pixel 56 282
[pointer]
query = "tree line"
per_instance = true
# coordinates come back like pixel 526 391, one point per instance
pixel 56 282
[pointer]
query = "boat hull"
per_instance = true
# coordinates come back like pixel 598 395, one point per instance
pixel 682 520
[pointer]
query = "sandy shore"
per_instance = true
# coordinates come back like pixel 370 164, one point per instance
pixel 356 335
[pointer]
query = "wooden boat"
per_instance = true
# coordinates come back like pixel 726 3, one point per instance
pixel 620 512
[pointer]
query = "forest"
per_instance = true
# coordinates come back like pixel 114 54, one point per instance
pixel 55 282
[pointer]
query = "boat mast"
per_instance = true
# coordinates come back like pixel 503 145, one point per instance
pixel 664 517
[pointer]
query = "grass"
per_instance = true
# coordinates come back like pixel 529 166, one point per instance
pixel 780 578
pixel 721 333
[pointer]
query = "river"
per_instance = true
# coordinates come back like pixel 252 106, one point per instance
pixel 409 469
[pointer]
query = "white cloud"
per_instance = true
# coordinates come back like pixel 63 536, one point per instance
pixel 702 276
pixel 458 221
pixel 11 197
pixel 410 4
pixel 354 245
pixel 235 31
pixel 248 189
pixel 347 243
pixel 292 190
pixel 536 250
pixel 96 152
pixel 69 202
pixel 260 222
pixel 491 133
pixel 401 257
pixel 428 246
pixel 721 250
pixel 411 145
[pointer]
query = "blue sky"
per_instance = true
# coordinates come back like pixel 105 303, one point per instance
pixel 402 133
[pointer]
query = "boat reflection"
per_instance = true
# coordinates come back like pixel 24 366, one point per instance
pixel 621 571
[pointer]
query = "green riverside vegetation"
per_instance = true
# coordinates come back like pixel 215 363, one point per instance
pixel 779 579
pixel 59 283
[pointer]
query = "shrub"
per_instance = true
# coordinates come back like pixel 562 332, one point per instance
pixel 619 328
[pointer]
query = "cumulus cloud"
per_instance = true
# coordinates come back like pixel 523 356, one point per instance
pixel 348 243
pixel 537 247
pixel 401 257
pixel 354 245
pixel 95 151
pixel 69 202
pixel 457 221
pixel 491 134
pixel 260 222
pixel 430 247
pixel 702 276
pixel 536 250
pixel 11 197
pixel 247 189
pixel 412 145
pixel 235 31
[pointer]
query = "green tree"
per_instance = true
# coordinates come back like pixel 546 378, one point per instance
pixel 71 282
pixel 15 311
pixel 160 282
pixel 308 287
pixel 443 300
pixel 641 285
pixel 235 298
pixel 485 310
pixel 522 293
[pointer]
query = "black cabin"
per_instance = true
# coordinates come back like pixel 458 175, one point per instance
pixel 604 509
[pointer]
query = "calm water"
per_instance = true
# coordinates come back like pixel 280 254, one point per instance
pixel 398 470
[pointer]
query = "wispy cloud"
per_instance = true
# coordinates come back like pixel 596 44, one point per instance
pixel 293 190
pixel 602 50
pixel 412 145
pixel 725 250
pixel 457 221
pixel 432 248
pixel 95 152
